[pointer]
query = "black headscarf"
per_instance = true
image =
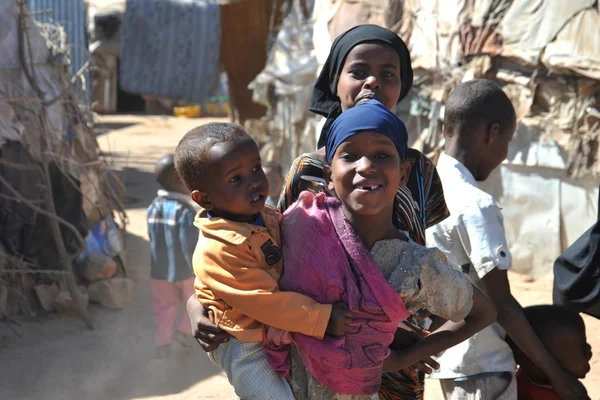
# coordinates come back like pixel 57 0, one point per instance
pixel 324 100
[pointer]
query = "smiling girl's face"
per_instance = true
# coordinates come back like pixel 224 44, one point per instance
pixel 371 71
pixel 366 172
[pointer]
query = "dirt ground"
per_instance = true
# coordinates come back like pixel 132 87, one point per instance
pixel 56 357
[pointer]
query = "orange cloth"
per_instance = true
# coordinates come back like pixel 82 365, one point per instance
pixel 532 391
pixel 237 267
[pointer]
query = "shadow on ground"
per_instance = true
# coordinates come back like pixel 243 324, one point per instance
pixel 58 358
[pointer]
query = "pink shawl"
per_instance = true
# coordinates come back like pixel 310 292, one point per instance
pixel 327 261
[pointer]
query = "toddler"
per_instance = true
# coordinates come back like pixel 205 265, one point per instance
pixel 238 260
pixel 562 331
pixel 173 238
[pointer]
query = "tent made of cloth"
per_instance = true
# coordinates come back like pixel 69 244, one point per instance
pixel 49 159
pixel 334 17
pixel 531 25
pixel 70 14
pixel 170 48
pixel 245 33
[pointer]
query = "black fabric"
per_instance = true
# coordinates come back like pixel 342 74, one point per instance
pixel 577 273
pixel 16 218
pixel 26 233
pixel 324 97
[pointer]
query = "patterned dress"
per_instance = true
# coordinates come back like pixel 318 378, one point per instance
pixel 423 279
pixel 418 206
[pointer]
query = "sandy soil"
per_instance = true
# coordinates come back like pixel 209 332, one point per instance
pixel 55 357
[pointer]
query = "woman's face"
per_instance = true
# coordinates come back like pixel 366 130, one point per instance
pixel 371 71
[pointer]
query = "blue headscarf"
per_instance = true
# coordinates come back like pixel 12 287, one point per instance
pixel 370 116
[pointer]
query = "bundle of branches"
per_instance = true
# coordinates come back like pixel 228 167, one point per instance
pixel 54 186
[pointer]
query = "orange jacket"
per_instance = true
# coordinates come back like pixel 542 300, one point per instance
pixel 237 267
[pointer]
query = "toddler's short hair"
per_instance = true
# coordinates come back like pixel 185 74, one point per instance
pixel 475 103
pixel 550 320
pixel 191 154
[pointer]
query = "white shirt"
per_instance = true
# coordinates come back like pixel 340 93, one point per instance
pixel 473 239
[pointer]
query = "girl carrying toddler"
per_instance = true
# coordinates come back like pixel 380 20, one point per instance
pixel 346 249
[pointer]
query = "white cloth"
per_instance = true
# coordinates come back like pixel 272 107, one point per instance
pixel 423 279
pixel 472 238
pixel 501 386
pixel 249 372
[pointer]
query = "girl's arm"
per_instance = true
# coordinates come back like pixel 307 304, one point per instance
pixel 482 314
pixel 207 334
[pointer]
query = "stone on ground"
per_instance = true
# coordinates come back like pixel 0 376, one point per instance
pixel 63 303
pixel 97 267
pixel 115 293
pixel 46 293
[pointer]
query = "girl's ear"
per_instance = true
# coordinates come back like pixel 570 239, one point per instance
pixel 404 173
pixel 327 177
pixel 202 199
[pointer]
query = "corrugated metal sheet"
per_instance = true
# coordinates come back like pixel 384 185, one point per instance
pixel 71 15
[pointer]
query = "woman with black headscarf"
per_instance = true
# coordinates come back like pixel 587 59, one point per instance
pixel 366 62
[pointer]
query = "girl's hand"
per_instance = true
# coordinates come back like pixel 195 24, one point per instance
pixel 278 337
pixel 400 361
pixel 406 335
pixel 426 366
pixel 206 333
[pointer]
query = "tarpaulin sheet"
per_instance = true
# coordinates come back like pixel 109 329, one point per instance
pixel 433 38
pixel 245 35
pixel 577 46
pixel 334 17
pixel 544 212
pixel 70 14
pixel 170 48
pixel 530 25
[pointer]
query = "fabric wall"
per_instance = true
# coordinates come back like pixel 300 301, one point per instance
pixel 544 213
pixel 244 39
pixel 170 48
pixel 70 14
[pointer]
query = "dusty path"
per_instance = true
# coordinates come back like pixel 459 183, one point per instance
pixel 57 358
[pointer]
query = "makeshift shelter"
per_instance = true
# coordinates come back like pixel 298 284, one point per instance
pixel 182 61
pixel 550 70
pixel 57 207
pixel 546 56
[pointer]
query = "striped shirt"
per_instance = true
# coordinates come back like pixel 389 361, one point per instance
pixel 173 236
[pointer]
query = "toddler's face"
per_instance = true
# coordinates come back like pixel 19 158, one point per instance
pixel 236 187
pixel 366 171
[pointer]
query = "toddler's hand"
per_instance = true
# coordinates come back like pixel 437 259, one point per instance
pixel 340 318
pixel 278 337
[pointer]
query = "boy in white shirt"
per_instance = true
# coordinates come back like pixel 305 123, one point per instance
pixel 479 123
